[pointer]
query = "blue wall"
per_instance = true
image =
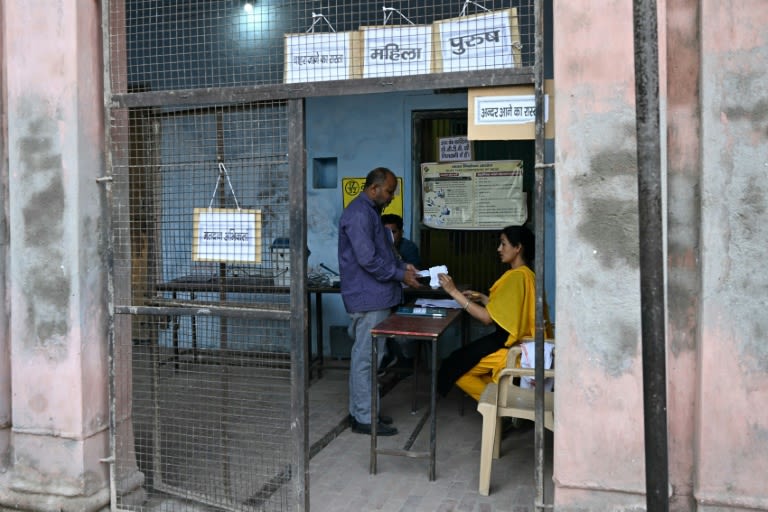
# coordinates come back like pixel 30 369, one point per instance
pixel 364 132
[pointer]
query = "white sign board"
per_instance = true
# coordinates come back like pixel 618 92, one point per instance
pixel 491 110
pixel 318 57
pixel 482 41
pixel 397 51
pixel 221 234
pixel 454 149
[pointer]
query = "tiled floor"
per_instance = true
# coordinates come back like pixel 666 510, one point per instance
pixel 339 472
pixel 193 438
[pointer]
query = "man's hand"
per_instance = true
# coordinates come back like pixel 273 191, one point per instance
pixel 411 277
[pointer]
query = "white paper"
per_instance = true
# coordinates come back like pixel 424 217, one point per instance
pixel 528 360
pixel 438 303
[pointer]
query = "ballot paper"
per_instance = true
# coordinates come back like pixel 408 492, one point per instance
pixel 438 303
pixel 432 272
pixel 528 360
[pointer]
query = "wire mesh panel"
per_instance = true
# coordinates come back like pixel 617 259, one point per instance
pixel 205 226
pixel 202 196
pixel 196 44
pixel 209 203
pixel 211 425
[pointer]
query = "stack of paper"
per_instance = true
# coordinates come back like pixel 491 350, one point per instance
pixel 438 303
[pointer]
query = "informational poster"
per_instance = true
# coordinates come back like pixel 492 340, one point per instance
pixel 397 50
pixel 351 188
pixel 473 195
pixel 228 235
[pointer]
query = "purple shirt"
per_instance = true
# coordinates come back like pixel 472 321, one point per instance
pixel 371 273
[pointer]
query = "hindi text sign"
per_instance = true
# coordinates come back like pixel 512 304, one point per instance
pixel 397 51
pixel 316 57
pixel 481 41
pixel 226 235
pixel 454 149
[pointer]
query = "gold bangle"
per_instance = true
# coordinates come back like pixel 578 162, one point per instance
pixel 466 305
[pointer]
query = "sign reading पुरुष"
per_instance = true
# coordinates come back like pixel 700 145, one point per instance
pixel 226 235
pixel 489 40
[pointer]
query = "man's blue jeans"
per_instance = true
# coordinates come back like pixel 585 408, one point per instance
pixel 360 367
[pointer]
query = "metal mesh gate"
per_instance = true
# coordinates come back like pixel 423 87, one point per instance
pixel 206 156
pixel 210 356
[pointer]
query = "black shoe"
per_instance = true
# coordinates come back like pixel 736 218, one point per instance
pixel 381 429
pixel 385 420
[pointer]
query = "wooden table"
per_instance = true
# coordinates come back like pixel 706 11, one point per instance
pixel 193 284
pixel 421 328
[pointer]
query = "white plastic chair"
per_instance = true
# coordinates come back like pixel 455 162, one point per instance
pixel 506 400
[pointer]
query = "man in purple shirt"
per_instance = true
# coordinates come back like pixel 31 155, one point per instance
pixel 371 277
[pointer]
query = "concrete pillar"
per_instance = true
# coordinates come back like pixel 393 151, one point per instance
pixel 683 62
pixel 57 275
pixel 732 443
pixel 5 349
pixel 599 446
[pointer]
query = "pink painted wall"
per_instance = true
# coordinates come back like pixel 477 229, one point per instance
pixel 57 242
pixel 5 349
pixel 732 422
pixel 714 119
pixel 599 424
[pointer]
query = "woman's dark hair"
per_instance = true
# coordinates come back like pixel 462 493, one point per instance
pixel 521 235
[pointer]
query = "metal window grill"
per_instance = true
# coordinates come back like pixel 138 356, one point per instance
pixel 201 128
pixel 202 44
pixel 211 394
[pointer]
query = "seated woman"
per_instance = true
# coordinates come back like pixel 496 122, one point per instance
pixel 511 306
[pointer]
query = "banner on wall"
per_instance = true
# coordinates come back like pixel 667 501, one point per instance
pixel 473 195
pixel 351 188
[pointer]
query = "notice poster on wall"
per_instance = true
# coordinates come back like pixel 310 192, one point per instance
pixel 473 195
pixel 226 235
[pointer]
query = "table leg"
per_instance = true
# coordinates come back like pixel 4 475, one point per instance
pixel 433 413
pixel 374 401
pixel 194 332
pixel 415 381
pixel 175 338
pixel 319 326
